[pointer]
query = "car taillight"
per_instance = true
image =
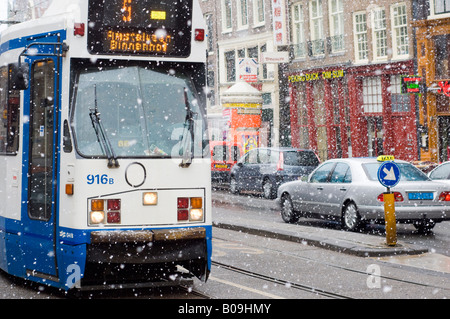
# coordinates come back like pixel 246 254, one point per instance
pixel 444 197
pixel 190 209
pixel 280 164
pixel 398 197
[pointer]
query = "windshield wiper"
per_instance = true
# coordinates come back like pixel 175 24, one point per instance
pixel 189 122
pixel 102 138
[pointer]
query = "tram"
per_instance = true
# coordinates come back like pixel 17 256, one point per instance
pixel 104 155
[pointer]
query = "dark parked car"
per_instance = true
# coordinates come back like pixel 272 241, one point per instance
pixel 265 169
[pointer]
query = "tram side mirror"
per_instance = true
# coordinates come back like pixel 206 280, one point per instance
pixel 18 76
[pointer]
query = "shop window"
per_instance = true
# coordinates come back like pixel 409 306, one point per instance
pixel 372 97
pixel 230 64
pixel 320 120
pixel 302 117
pixel 399 102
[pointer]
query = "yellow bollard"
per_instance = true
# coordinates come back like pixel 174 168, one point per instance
pixel 389 218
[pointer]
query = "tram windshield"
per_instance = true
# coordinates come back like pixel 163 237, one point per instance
pixel 143 112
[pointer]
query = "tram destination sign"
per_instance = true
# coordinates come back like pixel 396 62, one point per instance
pixel 144 27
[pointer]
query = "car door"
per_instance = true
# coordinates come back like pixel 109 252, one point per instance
pixel 246 170
pixel 337 188
pixel 315 198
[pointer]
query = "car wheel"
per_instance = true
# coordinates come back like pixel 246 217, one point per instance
pixel 233 186
pixel 287 210
pixel 268 189
pixel 350 217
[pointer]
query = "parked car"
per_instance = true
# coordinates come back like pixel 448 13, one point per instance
pixel 441 173
pixel 224 155
pixel 265 169
pixel 348 190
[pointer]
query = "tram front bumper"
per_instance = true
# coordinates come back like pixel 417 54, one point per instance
pixel 152 250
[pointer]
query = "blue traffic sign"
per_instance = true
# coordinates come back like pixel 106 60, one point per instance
pixel 388 174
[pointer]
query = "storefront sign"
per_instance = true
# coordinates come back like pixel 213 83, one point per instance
pixel 444 88
pixel 275 57
pixel 323 75
pixel 248 69
pixel 411 84
pixel 242 105
pixel 279 22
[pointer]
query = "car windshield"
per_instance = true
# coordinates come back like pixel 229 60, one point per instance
pixel 408 172
pixel 143 112
pixel 300 158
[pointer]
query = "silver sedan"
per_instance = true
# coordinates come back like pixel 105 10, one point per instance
pixel 348 190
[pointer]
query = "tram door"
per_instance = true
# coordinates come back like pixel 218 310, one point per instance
pixel 39 217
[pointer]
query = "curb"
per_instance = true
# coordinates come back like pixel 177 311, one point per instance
pixel 336 245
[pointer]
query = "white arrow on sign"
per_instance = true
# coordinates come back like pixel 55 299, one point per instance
pixel 390 175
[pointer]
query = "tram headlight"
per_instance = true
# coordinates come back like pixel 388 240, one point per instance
pixel 96 217
pixel 150 198
pixel 195 214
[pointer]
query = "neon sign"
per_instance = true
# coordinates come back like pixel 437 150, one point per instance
pixel 411 84
pixel 444 88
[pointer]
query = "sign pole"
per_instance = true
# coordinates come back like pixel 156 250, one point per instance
pixel 389 176
pixel 389 218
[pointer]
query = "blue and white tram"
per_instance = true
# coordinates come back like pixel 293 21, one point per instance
pixel 104 157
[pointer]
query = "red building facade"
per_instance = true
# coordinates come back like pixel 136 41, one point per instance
pixel 353 111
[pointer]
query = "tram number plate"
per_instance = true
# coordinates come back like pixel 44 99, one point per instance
pixel 99 179
pixel 420 196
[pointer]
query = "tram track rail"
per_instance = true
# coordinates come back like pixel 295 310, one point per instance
pixel 319 291
pixel 293 285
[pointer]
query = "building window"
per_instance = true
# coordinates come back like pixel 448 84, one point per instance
pixel 316 23
pixel 299 31
pixel 227 18
pixel 258 13
pixel 372 97
pixel 242 14
pixel 379 33
pixel 400 30
pixel 399 102
pixel 360 32
pixel 441 6
pixel 442 51
pixel 209 32
pixel 302 116
pixel 337 25
pixel 230 64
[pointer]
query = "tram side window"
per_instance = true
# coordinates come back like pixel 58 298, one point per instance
pixel 10 115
